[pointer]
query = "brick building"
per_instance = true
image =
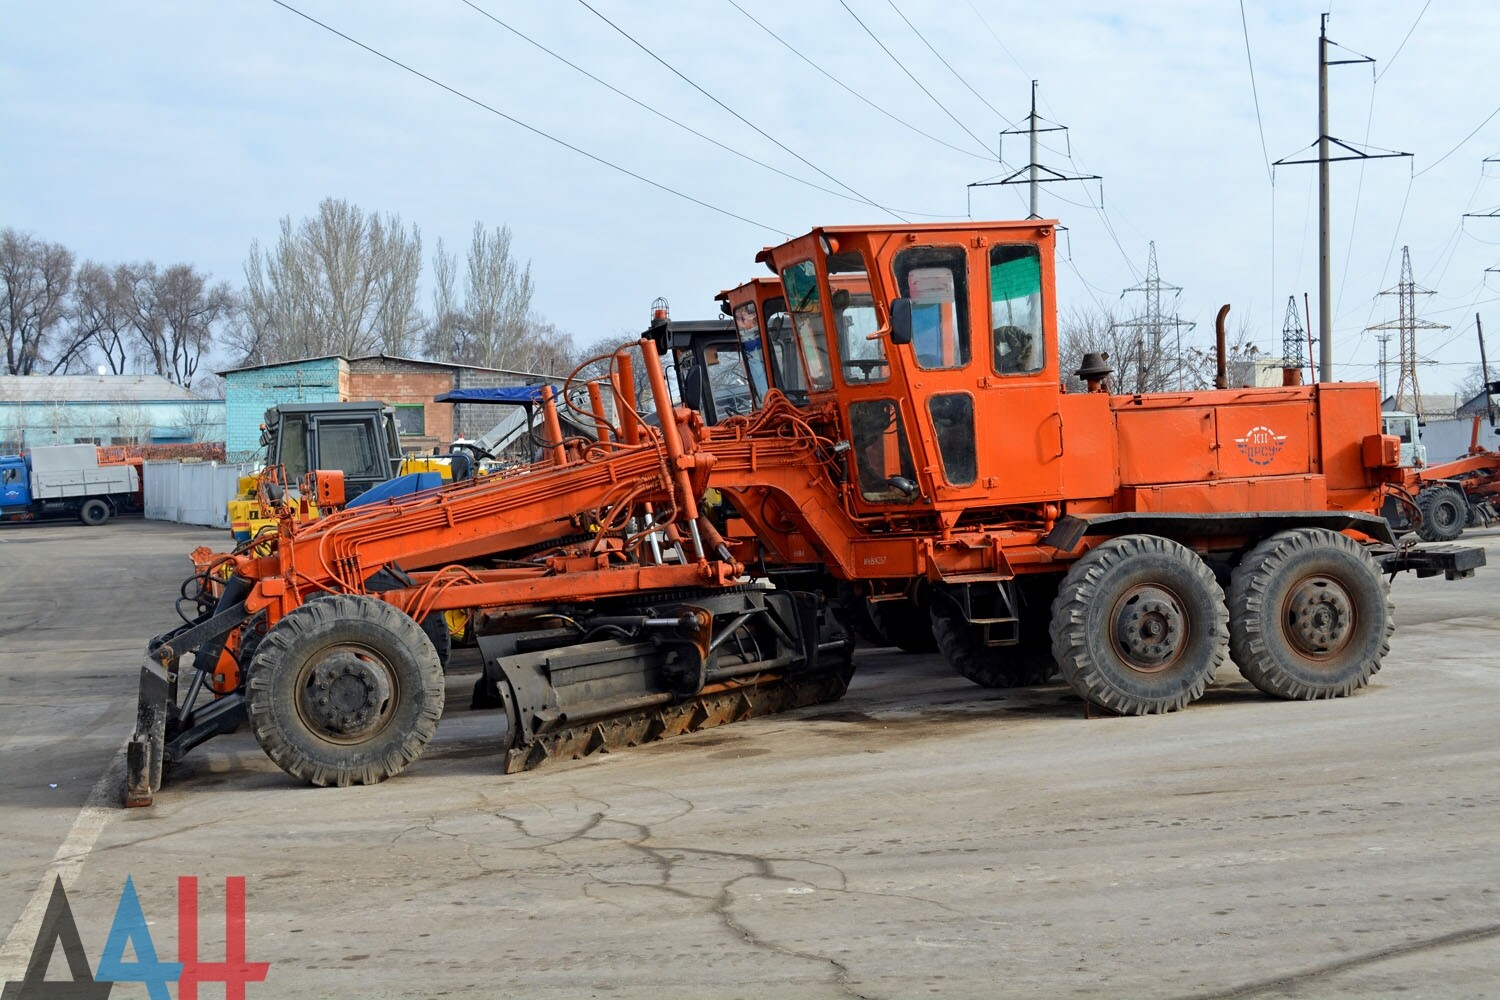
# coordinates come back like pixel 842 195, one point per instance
pixel 408 384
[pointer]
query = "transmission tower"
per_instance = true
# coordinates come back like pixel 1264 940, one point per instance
pixel 1032 173
pixel 1291 338
pixel 1406 325
pixel 1153 322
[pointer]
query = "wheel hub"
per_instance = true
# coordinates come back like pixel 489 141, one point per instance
pixel 1320 616
pixel 1149 628
pixel 346 694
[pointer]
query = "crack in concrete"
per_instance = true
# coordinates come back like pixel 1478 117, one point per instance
pixel 1286 984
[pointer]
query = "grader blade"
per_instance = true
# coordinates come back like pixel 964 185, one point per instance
pixel 748 699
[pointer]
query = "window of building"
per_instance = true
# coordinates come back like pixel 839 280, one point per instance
pixel 1016 309
pixel 936 279
pixel 86 440
pixel 411 420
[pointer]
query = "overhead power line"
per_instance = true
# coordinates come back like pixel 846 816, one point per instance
pixel 893 117
pixel 910 75
pixel 530 128
pixel 668 118
pixel 1461 143
pixel 1255 93
pixel 956 75
pixel 756 128
pixel 1404 40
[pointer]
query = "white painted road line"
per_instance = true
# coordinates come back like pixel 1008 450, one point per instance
pixel 102 803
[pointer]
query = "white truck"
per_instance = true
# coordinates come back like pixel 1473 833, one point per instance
pixel 66 480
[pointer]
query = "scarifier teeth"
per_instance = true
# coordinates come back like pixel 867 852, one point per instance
pixel 765 695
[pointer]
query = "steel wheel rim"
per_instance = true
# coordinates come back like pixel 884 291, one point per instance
pixel 346 693
pixel 1149 628
pixel 1319 617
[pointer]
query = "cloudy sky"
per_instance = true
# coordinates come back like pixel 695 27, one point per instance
pixel 176 131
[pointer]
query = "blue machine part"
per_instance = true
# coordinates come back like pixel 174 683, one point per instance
pixel 397 489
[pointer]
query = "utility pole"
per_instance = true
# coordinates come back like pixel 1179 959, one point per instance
pixel 1407 325
pixel 1325 257
pixel 1484 372
pixel 1384 339
pixel 1154 321
pixel 1033 170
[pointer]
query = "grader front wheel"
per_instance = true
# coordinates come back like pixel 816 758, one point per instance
pixel 345 690
pixel 1310 615
pixel 1139 625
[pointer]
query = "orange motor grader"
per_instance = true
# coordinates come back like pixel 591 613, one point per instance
pixel 911 433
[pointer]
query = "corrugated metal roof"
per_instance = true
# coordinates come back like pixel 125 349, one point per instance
pixel 91 388
pixel 382 357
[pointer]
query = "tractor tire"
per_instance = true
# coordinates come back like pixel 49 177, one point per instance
pixel 854 612
pixel 94 512
pixel 1310 615
pixel 344 690
pixel 1139 625
pixel 962 645
pixel 1444 510
pixel 906 625
pixel 435 627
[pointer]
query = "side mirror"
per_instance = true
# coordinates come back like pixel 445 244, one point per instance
pixel 901 321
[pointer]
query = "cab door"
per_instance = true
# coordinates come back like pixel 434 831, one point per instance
pixel 984 375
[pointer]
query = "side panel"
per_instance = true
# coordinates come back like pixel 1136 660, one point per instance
pixel 1266 439
pixel 1347 413
pixel 1021 444
pixel 1165 444
pixel 1283 493
pixel 1091 454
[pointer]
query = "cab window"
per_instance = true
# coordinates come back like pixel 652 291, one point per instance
pixel 953 426
pixel 785 359
pixel 348 445
pixel 855 318
pixel 936 281
pixel 1016 309
pixel 728 382
pixel 747 325
pixel 293 452
pixel 806 307
pixel 882 457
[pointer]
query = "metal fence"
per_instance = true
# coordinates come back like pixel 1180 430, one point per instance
pixel 191 492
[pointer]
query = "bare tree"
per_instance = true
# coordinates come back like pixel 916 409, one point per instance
pixel 544 349
pixel 1139 365
pixel 447 332
pixel 493 327
pixel 34 279
pixel 341 282
pixel 173 314
pixel 101 312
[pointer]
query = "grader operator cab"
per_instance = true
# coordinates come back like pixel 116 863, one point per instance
pixel 912 437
